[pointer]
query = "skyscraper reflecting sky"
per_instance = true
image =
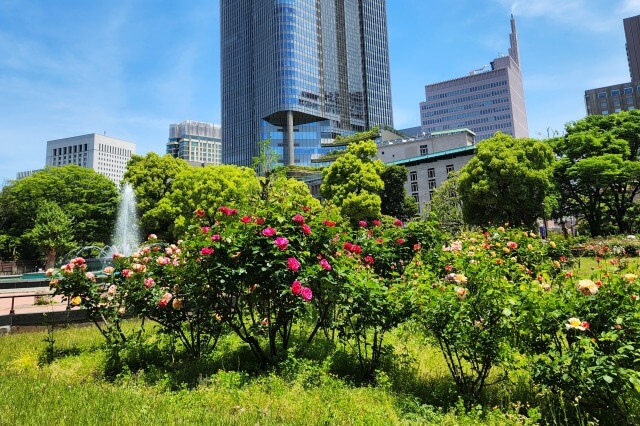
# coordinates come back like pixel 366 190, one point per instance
pixel 306 69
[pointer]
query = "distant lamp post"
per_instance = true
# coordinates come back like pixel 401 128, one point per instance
pixel 543 231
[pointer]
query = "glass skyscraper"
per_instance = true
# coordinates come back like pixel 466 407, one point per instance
pixel 301 70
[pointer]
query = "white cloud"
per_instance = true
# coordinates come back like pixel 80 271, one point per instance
pixel 586 15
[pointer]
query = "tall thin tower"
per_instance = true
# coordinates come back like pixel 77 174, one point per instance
pixel 300 72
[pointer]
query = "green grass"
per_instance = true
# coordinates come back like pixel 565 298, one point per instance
pixel 226 388
pixel 587 266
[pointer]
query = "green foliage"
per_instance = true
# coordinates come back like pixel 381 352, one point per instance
pixel 355 177
pixel 51 233
pixel 87 198
pixel 204 188
pixel 446 204
pixel 358 137
pixel 395 201
pixel 470 300
pixel 267 158
pixel 506 182
pixel 597 174
pixel 152 177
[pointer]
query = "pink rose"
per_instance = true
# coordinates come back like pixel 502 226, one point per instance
pixel 199 212
pixel 328 223
pixel 268 232
pixel 306 294
pixel 369 260
pixel 281 242
pixel 206 251
pixel 397 222
pixel 298 218
pixel 126 273
pixel 205 229
pixel 215 237
pixel 296 287
pixel 245 219
pixel 293 264
pixel 148 283
pixel 162 260
pixel 325 265
pixel 363 223
pixel 306 229
pixel 512 245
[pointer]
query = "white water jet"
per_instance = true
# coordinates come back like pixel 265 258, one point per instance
pixel 126 236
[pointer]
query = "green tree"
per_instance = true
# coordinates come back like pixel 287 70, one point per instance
pixel 354 179
pixel 446 204
pixel 395 201
pixel 507 181
pixel 206 188
pixel 87 198
pixel 152 177
pixel 51 233
pixel 597 173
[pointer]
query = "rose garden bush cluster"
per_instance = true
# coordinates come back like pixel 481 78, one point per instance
pixel 494 301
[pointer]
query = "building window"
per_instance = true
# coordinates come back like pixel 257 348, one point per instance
pixel 603 104
pixel 628 90
pixel 416 197
pixel 616 102
pixel 617 110
pixel 431 195
pixel 413 176
pixel 449 168
pixel 605 112
pixel 432 183
pixel 414 186
pixel 424 149
pixel 431 173
pixel 602 95
pixel 629 100
pixel 615 92
pixel 631 108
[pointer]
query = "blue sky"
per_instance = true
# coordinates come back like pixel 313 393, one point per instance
pixel 132 67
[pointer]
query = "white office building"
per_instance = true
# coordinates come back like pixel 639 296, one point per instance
pixel 196 142
pixel 104 154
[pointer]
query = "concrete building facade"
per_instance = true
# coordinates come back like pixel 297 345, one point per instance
pixel 299 73
pixel 612 99
pixel 632 35
pixel 622 96
pixel 104 154
pixel 429 160
pixel 488 100
pixel 196 142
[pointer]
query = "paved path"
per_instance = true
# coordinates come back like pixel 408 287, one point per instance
pixel 26 311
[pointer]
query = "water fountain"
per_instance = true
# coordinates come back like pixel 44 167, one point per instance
pixel 126 236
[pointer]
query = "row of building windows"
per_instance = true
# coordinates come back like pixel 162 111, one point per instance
pixel 467 90
pixel 69 149
pixel 616 92
pixel 492 94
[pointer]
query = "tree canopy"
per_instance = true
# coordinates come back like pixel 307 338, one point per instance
pixel 597 173
pixel 152 177
pixel 86 197
pixel 507 181
pixel 353 181
pixel 395 201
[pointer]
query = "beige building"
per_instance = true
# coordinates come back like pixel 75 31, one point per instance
pixel 104 154
pixel 429 160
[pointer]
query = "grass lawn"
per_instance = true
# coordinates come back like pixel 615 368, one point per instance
pixel 226 389
pixel 587 266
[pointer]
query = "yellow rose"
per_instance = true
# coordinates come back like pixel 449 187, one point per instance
pixel 76 301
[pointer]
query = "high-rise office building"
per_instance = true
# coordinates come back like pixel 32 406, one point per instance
pixel 195 142
pixel 632 34
pixel 106 155
pixel 488 100
pixel 300 73
pixel 622 96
